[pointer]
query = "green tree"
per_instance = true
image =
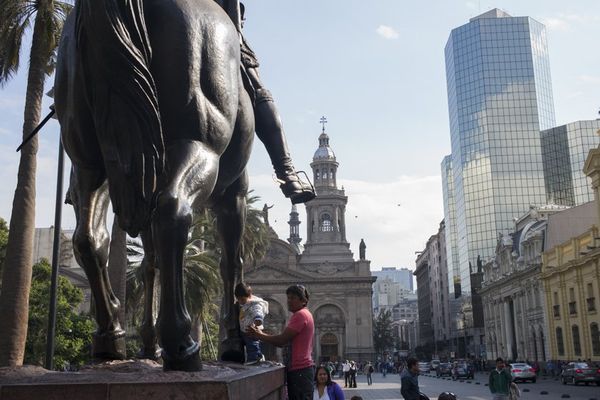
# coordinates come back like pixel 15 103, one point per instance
pixel 16 18
pixel 3 241
pixel 73 330
pixel 383 334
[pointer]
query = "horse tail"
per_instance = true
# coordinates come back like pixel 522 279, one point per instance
pixel 115 57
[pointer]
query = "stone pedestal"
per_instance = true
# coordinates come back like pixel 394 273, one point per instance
pixel 144 380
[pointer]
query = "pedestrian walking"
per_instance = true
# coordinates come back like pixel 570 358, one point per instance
pixel 369 372
pixel 346 370
pixel 550 368
pixel 500 380
pixel 410 380
pixel 352 374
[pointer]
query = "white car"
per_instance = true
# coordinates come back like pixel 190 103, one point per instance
pixel 522 372
pixel 424 367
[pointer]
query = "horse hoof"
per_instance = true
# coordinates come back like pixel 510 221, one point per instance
pixel 235 356
pixel 232 343
pixel 109 345
pixel 190 363
pixel 152 353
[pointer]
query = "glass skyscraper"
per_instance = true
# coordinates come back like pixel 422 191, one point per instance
pixel 499 99
pixel 564 151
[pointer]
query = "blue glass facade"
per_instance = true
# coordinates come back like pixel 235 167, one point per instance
pixel 499 98
pixel 450 220
pixel 564 151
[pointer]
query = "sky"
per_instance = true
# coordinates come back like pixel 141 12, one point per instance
pixel 376 70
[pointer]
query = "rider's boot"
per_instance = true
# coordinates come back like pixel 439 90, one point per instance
pixel 270 131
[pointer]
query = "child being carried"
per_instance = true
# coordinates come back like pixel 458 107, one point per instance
pixel 253 310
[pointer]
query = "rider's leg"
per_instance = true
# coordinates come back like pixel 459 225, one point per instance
pixel 269 130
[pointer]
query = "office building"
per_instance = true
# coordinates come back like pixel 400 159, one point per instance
pixel 499 99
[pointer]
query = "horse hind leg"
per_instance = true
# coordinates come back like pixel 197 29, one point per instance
pixel 191 176
pixel 150 349
pixel 89 194
pixel 231 219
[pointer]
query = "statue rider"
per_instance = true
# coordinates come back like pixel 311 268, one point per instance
pixel 269 128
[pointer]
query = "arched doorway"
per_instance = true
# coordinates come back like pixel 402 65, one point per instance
pixel 329 347
pixel 330 329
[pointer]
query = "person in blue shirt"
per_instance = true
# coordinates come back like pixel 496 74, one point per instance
pixel 410 380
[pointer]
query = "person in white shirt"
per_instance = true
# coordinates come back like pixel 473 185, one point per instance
pixel 346 370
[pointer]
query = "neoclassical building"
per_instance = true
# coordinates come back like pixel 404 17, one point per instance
pixel 513 293
pixel 340 287
pixel 571 277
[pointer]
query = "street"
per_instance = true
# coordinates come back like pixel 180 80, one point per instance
pixel 543 389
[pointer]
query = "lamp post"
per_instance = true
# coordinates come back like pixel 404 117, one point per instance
pixel 55 259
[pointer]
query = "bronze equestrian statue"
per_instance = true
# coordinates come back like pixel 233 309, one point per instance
pixel 157 116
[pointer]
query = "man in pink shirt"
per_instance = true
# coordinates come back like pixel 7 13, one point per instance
pixel 299 333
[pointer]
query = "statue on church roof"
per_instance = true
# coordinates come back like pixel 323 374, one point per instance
pixel 362 249
pixel 265 213
pixel 269 128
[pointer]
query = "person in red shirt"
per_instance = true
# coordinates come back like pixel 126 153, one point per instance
pixel 299 334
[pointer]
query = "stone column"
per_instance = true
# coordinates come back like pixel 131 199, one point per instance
pixel 508 318
pixel 523 331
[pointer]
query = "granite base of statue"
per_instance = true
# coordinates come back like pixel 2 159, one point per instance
pixel 144 380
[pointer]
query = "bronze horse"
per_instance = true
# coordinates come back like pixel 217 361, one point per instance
pixel 155 117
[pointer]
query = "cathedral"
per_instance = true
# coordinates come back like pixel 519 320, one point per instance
pixel 340 287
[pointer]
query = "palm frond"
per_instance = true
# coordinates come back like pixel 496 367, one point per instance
pixel 16 17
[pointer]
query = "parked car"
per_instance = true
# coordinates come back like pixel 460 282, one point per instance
pixel 576 372
pixel 462 370
pixel 444 369
pixel 434 364
pixel 522 372
pixel 424 367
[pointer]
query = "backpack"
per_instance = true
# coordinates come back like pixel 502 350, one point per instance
pixel 371 369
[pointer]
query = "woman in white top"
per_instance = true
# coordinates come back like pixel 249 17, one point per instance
pixel 325 388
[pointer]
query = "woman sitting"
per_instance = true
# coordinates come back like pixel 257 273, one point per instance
pixel 325 388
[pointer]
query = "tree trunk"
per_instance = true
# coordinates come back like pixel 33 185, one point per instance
pixel 14 298
pixel 117 266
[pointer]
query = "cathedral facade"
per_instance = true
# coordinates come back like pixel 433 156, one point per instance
pixel 340 287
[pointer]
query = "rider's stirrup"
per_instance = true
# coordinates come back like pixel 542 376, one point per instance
pixel 292 187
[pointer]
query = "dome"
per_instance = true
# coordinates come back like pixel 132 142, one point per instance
pixel 324 152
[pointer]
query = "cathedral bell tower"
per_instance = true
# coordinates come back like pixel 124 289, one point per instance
pixel 295 240
pixel 326 214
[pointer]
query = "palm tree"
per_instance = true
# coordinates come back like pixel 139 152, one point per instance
pixel 16 17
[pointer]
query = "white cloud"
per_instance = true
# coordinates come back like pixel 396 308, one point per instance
pixel 564 22
pixel 387 32
pixel 472 5
pixel 11 101
pixel 589 79
pixel 574 95
pixel 395 218
pixel 556 24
